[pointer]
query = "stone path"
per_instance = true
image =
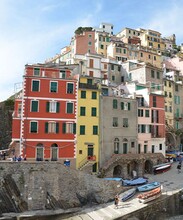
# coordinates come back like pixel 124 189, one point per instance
pixel 171 183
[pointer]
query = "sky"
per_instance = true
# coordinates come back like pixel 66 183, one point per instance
pixel 32 31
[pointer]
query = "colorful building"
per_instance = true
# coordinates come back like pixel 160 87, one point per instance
pixel 44 121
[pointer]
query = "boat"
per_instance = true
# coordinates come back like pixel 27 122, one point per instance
pixel 150 193
pixel 134 182
pixel 151 198
pixel 148 187
pixel 128 194
pixel 113 178
pixel 162 168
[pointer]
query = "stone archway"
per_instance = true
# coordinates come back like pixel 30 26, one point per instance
pixel 117 172
pixel 148 166
pixel 170 141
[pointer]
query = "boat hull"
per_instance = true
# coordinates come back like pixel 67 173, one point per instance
pixel 148 187
pixel 151 198
pixel 128 194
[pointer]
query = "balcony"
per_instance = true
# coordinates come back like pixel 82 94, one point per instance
pixel 87 86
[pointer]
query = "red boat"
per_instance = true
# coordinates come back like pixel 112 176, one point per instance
pixel 161 168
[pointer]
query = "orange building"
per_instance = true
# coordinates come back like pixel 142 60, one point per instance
pixel 44 120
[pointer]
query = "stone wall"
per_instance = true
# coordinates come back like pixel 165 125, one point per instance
pixel 50 185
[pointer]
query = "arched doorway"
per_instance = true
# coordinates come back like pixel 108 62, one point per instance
pixel 117 172
pixel 148 166
pixel 134 168
pixel 170 141
pixel 39 152
pixel 54 152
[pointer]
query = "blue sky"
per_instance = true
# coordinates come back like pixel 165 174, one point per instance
pixel 34 30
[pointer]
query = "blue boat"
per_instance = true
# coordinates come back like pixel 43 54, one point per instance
pixel 134 182
pixel 113 178
pixel 149 186
pixel 128 194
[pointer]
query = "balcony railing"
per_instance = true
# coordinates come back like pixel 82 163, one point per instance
pixel 87 86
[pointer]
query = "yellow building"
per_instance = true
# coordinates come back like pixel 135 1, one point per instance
pixel 87 154
pixel 152 39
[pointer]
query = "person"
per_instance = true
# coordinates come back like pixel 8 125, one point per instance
pixel 179 167
pixel 116 201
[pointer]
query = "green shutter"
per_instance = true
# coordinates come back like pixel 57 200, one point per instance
pixel 70 108
pixel 34 106
pixel 46 127
pixel 58 107
pixel 57 127
pixel 74 128
pixel 70 87
pixel 94 95
pixel 128 106
pixel 64 128
pixel 35 86
pixel 47 106
pixel 94 110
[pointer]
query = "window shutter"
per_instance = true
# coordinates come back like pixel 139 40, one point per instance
pixel 57 127
pixel 64 128
pixel 47 106
pixel 122 105
pixel 74 128
pixel 128 106
pixel 58 107
pixel 46 127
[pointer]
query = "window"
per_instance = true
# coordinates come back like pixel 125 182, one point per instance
pixel 125 122
pixel 132 144
pixel 62 74
pixel 35 85
pixel 115 122
pixel 115 104
pixel 165 83
pixel 80 151
pixel 112 66
pixel 89 81
pixel 51 127
pixel 170 84
pixel 160 147
pixel 152 74
pixel 36 71
pixel 170 95
pixel 154 101
pixel 53 86
pixel 33 127
pixel 141 54
pixel 82 129
pixel 89 35
pixel 149 56
pixel 53 107
pixel 91 63
pixel 93 111
pixel 95 130
pixel 34 106
pixel 158 75
pixel 176 88
pixel 94 95
pixel 113 78
pixel 145 149
pixel 83 94
pixel 70 107
pixel 165 93
pixel 116 146
pixel 125 106
pixel 69 128
pixel 140 113
pixel 70 88
pixel 82 111
pixel 154 57
pixel 146 113
pixel 101 46
pixel 89 43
